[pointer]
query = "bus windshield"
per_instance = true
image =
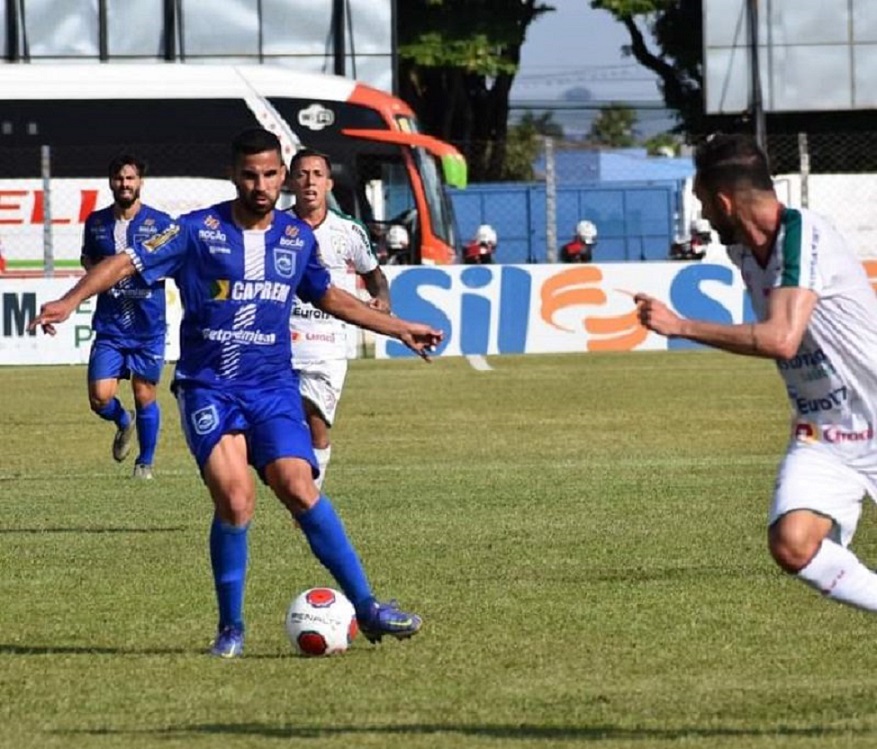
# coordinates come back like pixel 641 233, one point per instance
pixel 439 205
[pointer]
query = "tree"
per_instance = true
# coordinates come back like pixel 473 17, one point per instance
pixel 615 126
pixel 677 28
pixel 524 143
pixel 457 62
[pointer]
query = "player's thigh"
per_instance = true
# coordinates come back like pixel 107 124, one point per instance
pixel 146 360
pixel 321 385
pixel 815 479
pixel 106 361
pixel 229 479
pixel 205 416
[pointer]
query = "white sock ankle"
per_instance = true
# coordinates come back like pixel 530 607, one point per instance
pixel 837 573
pixel 323 455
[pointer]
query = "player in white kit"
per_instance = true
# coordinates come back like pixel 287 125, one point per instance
pixel 817 317
pixel 319 341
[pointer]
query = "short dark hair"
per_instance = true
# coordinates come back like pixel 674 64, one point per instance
pixel 305 153
pixel 730 160
pixel 126 159
pixel 254 140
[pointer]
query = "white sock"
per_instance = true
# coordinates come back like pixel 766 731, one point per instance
pixel 837 573
pixel 323 455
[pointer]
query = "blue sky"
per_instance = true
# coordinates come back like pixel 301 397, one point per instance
pixel 578 47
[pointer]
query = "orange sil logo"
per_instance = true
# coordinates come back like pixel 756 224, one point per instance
pixel 211 222
pixel 291 231
pixel 871 270
pixel 581 287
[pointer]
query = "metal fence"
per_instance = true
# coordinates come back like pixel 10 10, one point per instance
pixel 640 204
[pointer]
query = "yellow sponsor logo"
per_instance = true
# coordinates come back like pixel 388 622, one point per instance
pixel 159 240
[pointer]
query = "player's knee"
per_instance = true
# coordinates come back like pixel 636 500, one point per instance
pixel 97 402
pixel 793 541
pixel 298 492
pixel 235 505
pixel 144 393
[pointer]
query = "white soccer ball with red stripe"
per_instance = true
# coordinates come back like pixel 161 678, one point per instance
pixel 321 621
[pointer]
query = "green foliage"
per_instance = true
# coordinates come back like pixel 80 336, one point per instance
pixel 458 60
pixel 525 143
pixel 663 144
pixel 542 124
pixel 631 8
pixel 614 126
pixel 583 534
pixel 677 54
pixel 472 54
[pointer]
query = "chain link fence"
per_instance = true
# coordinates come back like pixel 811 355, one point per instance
pixel 640 204
pixel 643 206
pixel 47 193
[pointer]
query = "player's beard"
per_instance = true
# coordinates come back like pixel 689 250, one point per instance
pixel 256 208
pixel 727 233
pixel 126 201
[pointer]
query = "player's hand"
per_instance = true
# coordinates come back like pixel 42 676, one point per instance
pixel 380 305
pixel 51 313
pixel 421 339
pixel 657 316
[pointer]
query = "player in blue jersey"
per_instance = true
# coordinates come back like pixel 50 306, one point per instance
pixel 239 265
pixel 129 321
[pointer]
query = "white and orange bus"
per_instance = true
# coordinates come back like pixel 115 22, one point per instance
pixel 69 120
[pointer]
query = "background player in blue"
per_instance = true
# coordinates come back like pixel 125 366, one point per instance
pixel 239 265
pixel 129 321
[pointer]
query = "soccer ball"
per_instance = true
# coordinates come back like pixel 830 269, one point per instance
pixel 321 621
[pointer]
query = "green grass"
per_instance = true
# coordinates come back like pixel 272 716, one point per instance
pixel 584 536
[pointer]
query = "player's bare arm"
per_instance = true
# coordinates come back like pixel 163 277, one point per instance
pixel 419 338
pixel 376 285
pixel 777 337
pixel 100 277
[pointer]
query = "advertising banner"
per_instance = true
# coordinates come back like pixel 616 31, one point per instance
pixel 528 309
pixel 483 310
pixel 20 301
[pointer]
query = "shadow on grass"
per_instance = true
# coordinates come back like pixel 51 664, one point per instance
pixel 6 649
pixel 197 652
pixel 82 529
pixel 524 731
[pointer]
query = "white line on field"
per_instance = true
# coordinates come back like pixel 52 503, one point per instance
pixel 478 363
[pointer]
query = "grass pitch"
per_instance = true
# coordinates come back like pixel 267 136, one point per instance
pixel 583 535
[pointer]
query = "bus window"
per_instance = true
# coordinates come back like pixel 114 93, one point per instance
pixel 440 213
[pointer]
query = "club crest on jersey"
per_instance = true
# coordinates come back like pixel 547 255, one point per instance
pixel 205 420
pixel 284 262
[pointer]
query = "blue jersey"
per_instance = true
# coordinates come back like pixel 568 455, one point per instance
pixel 237 289
pixel 134 309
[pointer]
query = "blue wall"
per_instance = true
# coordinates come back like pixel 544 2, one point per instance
pixel 635 220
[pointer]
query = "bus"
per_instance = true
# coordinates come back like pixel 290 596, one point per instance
pixel 61 124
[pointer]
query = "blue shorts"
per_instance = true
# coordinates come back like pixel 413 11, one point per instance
pixel 272 420
pixel 115 359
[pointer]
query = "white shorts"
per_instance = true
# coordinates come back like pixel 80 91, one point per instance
pixel 813 477
pixel 321 383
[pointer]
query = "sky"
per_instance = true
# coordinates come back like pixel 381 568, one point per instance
pixel 576 46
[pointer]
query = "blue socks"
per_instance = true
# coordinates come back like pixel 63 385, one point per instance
pixel 148 422
pixel 329 542
pixel 115 411
pixel 228 558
